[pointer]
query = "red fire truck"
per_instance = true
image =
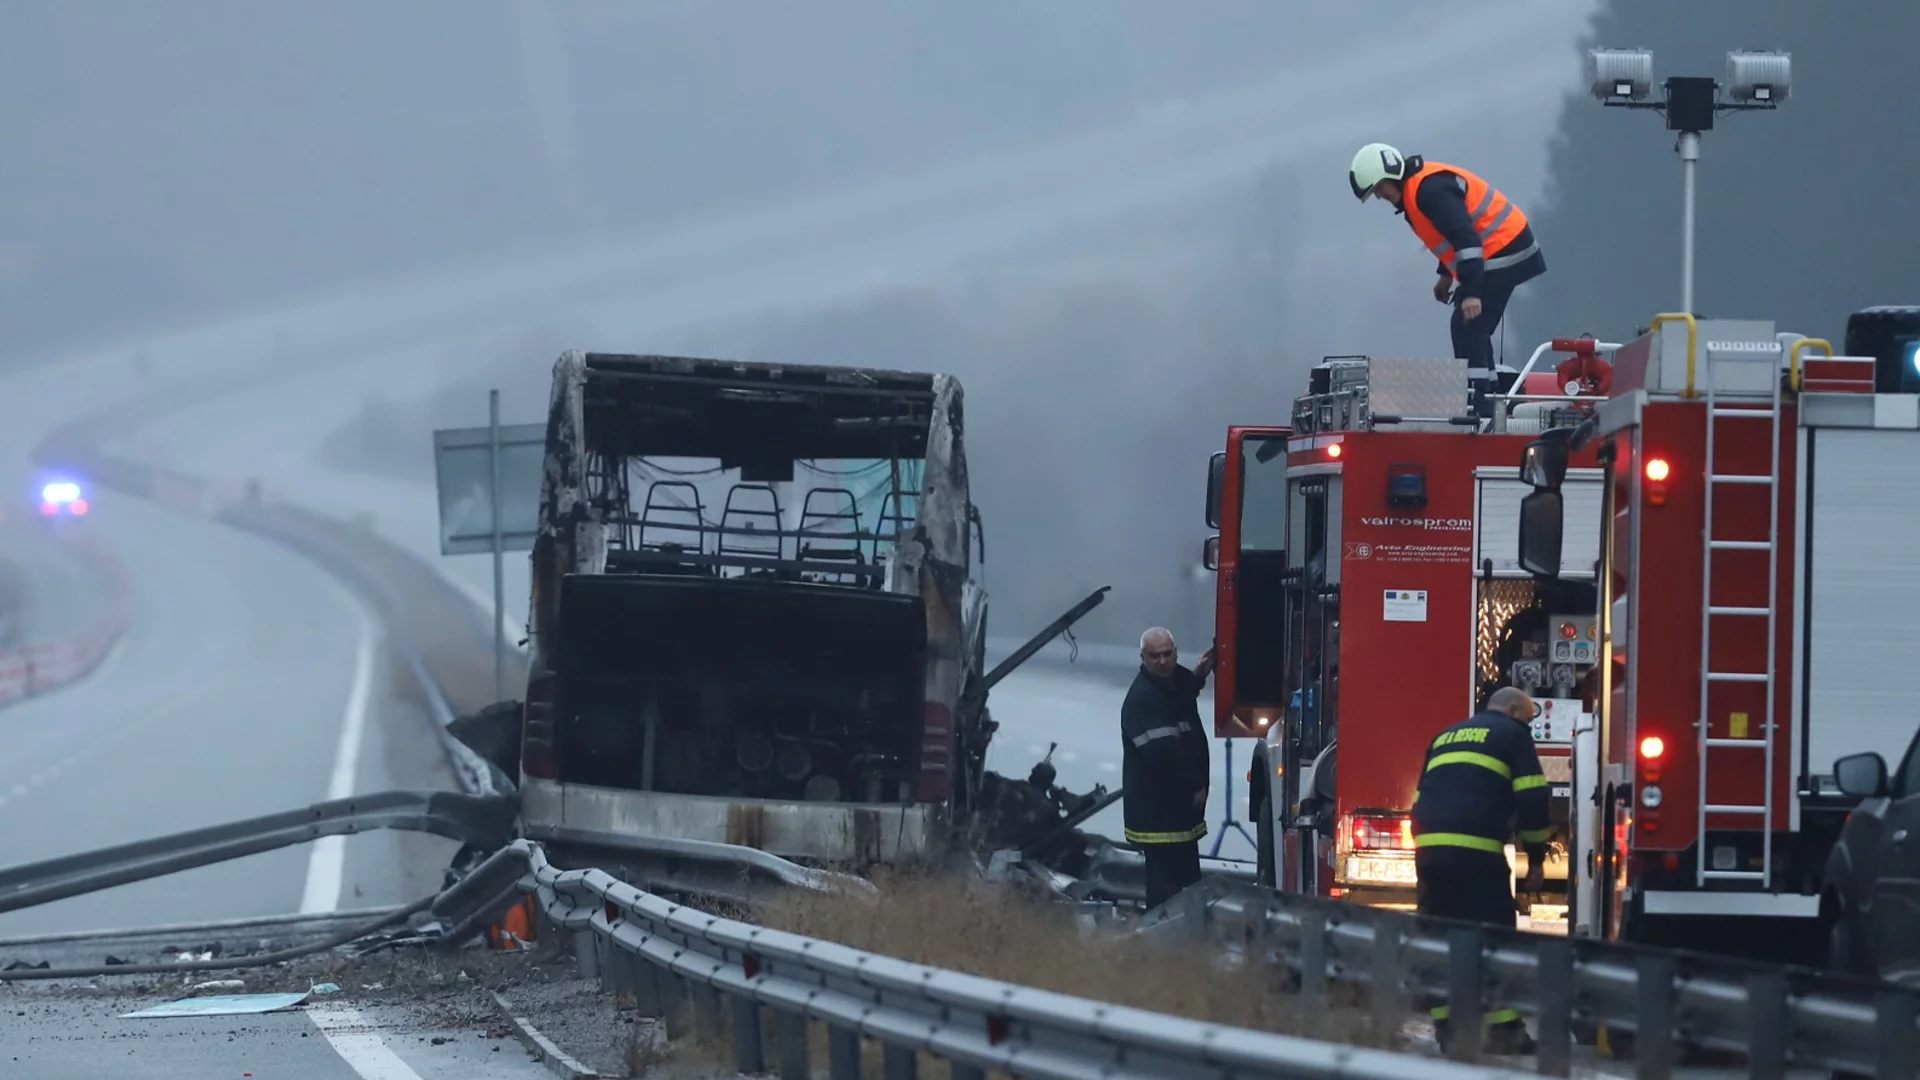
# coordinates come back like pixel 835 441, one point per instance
pixel 1761 621
pixel 1370 593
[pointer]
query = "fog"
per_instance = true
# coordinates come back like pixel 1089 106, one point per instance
pixel 174 165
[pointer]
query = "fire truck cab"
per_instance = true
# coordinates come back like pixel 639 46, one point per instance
pixel 1761 597
pixel 1370 594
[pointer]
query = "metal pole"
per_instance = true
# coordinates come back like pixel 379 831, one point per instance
pixel 1689 158
pixel 499 589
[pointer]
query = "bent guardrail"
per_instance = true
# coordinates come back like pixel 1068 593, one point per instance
pixel 660 951
pixel 471 819
pixel 1775 1016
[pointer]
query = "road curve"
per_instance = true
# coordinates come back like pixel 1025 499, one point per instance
pixel 242 668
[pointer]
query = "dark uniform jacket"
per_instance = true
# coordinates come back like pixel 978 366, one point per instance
pixel 1165 758
pixel 1481 776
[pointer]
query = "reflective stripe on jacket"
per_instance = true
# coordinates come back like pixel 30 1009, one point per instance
pixel 1164 758
pixel 1497 221
pixel 1481 777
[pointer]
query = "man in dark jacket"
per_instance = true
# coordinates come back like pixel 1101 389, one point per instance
pixel 1481 777
pixel 1166 763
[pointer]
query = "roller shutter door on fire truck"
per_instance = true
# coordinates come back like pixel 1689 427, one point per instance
pixel 1497 522
pixel 1863 594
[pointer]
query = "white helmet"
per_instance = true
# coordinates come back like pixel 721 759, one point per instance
pixel 1375 162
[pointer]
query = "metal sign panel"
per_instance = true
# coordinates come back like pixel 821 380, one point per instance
pixel 463 474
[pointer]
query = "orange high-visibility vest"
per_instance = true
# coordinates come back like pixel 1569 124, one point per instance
pixel 1496 218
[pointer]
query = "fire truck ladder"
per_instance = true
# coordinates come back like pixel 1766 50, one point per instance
pixel 1743 413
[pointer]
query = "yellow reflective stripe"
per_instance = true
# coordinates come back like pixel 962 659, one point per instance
pixel 1528 783
pixel 1459 840
pixel 1136 837
pixel 1534 836
pixel 1497 1016
pixel 1468 757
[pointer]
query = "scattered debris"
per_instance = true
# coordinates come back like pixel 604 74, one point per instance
pixel 228 1005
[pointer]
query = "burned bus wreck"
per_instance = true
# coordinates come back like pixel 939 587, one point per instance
pixel 753 613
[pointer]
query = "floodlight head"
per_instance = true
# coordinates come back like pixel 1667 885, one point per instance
pixel 1620 74
pixel 1759 78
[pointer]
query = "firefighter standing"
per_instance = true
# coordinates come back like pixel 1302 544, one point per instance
pixel 1485 246
pixel 1481 776
pixel 1165 765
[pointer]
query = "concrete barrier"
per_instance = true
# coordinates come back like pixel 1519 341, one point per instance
pixel 37 667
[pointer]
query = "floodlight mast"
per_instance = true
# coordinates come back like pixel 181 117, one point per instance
pixel 1623 78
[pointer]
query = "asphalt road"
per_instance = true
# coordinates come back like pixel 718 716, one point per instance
pixel 81 1038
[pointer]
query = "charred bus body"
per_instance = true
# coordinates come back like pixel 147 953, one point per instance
pixel 753 616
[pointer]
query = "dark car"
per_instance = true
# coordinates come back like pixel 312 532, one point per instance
pixel 1874 871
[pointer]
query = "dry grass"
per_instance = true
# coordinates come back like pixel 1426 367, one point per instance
pixel 1002 933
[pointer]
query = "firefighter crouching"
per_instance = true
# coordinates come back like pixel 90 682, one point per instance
pixel 1164 765
pixel 1481 776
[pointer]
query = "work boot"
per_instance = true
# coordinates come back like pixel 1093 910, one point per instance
pixel 1510 1039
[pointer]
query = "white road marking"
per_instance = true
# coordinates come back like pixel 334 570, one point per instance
pixel 353 1037
pixel 326 863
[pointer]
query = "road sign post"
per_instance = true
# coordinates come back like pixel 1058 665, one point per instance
pixel 488 484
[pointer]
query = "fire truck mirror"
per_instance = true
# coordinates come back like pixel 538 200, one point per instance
pixel 1216 474
pixel 1862 776
pixel 1540 522
pixel 1210 553
pixel 1544 463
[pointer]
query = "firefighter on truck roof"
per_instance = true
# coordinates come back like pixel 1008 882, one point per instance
pixel 1481 777
pixel 1482 239
pixel 1164 765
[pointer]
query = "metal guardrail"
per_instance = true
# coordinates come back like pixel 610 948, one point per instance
pixel 472 819
pixel 662 952
pixel 1773 1015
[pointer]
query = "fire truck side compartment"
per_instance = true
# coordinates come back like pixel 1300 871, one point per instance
pixel 1862 578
